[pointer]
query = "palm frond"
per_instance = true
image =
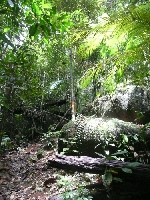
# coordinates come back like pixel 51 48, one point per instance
pixel 125 46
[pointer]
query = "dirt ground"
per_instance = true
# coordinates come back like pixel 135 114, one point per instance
pixel 24 175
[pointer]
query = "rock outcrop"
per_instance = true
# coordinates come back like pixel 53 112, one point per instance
pixel 111 123
pixel 130 103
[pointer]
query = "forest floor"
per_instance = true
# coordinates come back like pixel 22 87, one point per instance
pixel 24 175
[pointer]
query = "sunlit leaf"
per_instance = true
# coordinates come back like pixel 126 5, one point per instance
pixel 100 155
pixel 46 5
pixel 27 12
pixel 75 151
pixel 65 149
pixel 119 74
pixel 45 40
pixel 63 16
pixel 6 29
pixel 62 29
pixel 125 138
pixel 36 9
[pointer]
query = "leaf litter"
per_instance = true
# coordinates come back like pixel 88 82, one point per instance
pixel 23 175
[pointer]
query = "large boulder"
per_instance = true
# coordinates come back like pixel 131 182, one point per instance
pixel 130 103
pixel 88 135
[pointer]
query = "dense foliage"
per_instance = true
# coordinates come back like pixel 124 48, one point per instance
pixel 109 41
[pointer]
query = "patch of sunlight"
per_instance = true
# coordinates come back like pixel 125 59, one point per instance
pixel 114 42
pixel 93 41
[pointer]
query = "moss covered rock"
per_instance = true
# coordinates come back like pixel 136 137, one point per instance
pixel 90 135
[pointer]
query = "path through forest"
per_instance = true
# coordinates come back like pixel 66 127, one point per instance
pixel 24 175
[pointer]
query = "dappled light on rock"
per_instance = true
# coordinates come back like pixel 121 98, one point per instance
pixel 129 103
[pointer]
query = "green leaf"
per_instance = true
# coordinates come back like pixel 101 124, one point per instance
pixel 63 139
pixel 47 31
pixel 6 29
pixel 5 105
pixel 53 28
pixel 135 137
pixel 53 12
pixel 36 9
pixel 3 11
pixel 62 29
pixel 133 164
pixel 120 152
pixel 68 24
pixel 46 5
pixel 127 170
pixel 75 151
pixel 33 29
pixel 64 16
pixel 45 40
pixel 86 79
pixel 27 12
pixel 119 74
pixel 65 149
pixel 125 138
pixel 101 155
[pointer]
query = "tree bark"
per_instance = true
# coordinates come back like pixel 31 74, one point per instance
pixel 98 166
pixel 134 185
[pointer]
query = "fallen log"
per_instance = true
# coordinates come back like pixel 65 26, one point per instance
pixel 133 186
pixel 86 164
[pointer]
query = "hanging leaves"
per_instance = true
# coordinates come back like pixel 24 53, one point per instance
pixel 123 47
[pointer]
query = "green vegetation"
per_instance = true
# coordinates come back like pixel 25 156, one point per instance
pixel 110 44
pixel 109 41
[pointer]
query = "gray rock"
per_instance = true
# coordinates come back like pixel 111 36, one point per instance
pixel 130 103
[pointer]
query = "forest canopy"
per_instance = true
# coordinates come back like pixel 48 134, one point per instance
pixel 109 41
pixel 74 80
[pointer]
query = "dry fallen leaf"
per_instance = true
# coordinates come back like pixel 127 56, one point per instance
pixel 31 148
pixel 39 196
pixel 1 181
